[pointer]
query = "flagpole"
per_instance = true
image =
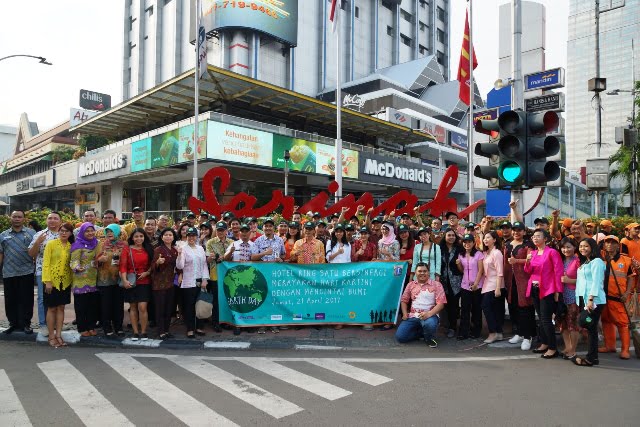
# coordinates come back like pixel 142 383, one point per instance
pixel 470 126
pixel 196 109
pixel 338 153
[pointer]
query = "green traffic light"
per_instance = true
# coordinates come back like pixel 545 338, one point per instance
pixel 510 171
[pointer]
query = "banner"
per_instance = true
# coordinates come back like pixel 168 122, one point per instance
pixel 272 294
pixel 239 144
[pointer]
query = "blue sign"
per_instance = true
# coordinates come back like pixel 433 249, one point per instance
pixel 458 141
pixel 544 79
pixel 498 202
pixel 499 97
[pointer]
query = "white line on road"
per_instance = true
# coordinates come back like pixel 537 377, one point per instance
pixel 81 395
pixel 350 371
pixel 267 402
pixel 227 345
pixel 318 347
pixel 183 406
pixel 298 379
pixel 11 410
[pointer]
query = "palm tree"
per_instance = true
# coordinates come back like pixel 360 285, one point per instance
pixel 621 160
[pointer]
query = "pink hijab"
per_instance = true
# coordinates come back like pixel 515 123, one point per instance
pixel 391 237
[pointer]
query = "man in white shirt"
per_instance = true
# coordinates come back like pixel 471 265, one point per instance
pixel 268 247
pixel 240 250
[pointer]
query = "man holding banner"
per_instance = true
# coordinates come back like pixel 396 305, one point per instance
pixel 309 250
pixel 427 299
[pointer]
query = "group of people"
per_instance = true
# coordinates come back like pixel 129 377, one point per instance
pixel 568 272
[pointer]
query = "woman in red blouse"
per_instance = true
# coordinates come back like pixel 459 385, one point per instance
pixel 363 249
pixel 137 295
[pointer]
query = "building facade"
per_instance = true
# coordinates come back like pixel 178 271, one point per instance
pixel 618 28
pixel 375 34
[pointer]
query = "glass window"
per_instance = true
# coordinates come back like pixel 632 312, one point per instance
pixel 441 36
pixel 405 40
pixel 389 31
pixel 423 26
pixel 406 15
pixel 441 15
pixel 387 4
pixel 440 57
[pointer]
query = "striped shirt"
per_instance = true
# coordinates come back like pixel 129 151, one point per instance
pixel 14 245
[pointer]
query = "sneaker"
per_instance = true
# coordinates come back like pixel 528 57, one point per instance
pixel 274 330
pixel 499 337
pixel 145 337
pixel 367 328
pixel 262 330
pixel 44 331
pixel 135 337
pixel 515 339
pixel 451 333
pixel 432 343
pixel 526 345
pixel 236 331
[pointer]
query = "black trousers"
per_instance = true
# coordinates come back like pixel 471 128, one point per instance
pixel 18 300
pixel 453 306
pixel 592 346
pixel 164 304
pixel 493 309
pixel 513 308
pixel 547 329
pixel 212 286
pixel 524 317
pixel 86 307
pixel 188 308
pixel 111 308
pixel 471 314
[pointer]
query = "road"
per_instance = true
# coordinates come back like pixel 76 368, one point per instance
pixel 409 386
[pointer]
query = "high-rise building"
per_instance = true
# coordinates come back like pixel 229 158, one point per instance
pixel 617 30
pixel 375 34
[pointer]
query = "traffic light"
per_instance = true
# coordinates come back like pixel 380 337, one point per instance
pixel 488 150
pixel 512 169
pixel 546 153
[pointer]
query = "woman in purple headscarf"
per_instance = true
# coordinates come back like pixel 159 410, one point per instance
pixel 85 274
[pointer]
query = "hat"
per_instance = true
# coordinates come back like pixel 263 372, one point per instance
pixel 506 224
pixel 349 227
pixel 294 224
pixel 378 219
pixel 244 226
pixel 405 215
pixel 251 219
pixel 191 215
pixel 402 228
pixel 632 225
pixel 191 231
pixel 137 209
pixel 470 225
pixel 593 224
pixel 424 230
pixel 584 319
pixel 354 217
pixel 468 238
pixel 268 220
pixel 228 215
pixel 450 214
pixel 221 225
pixel 213 218
pixel 338 227
pixel 612 237
pixel 204 214
pixel 283 221
pixel 365 230
pixel 566 223
pixel 309 225
pixel 206 225
pixel 606 223
pixel 335 215
pixel 316 214
pixel 322 223
pixel 518 226
pixel 541 220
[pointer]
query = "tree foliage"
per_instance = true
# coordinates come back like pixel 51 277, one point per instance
pixel 62 153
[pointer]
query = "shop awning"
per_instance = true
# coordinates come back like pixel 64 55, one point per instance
pixel 221 90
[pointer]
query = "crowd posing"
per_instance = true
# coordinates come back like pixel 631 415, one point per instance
pixel 572 273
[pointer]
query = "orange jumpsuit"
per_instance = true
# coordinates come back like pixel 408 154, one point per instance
pixel 614 313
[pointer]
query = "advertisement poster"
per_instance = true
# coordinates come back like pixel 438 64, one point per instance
pixel 141 155
pixel 164 149
pixel 303 153
pixel 326 161
pixel 458 141
pixel 240 145
pixel 186 146
pixel 359 293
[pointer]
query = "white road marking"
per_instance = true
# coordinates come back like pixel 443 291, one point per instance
pixel 258 397
pixel 12 412
pixel 85 400
pixel 181 405
pixel 227 345
pixel 317 347
pixel 350 371
pixel 298 379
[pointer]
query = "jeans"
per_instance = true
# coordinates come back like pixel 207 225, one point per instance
pixel 414 328
pixel 111 308
pixel 42 311
pixel 18 300
pixel 547 329
pixel 471 314
pixel 493 309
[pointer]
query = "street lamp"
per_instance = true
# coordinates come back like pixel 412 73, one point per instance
pixel 42 59
pixel 287 157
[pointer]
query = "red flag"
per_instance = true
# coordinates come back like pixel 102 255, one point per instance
pixel 463 67
pixel 332 15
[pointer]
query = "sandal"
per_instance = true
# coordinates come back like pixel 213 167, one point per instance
pixel 164 336
pixel 55 343
pixel 579 361
pixel 61 342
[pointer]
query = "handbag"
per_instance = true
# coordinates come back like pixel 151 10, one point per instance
pixel 131 277
pixel 204 305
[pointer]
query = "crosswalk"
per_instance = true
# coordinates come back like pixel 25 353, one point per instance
pixel 83 397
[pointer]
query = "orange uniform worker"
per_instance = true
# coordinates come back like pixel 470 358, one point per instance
pixel 619 282
pixel 631 246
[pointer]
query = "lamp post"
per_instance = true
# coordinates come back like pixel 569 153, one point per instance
pixel 287 157
pixel 42 59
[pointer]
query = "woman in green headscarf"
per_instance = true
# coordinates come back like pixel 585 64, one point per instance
pixel 111 295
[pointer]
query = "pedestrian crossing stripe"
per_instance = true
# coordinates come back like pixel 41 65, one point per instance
pixel 12 412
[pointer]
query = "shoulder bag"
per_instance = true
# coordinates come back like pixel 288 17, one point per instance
pixel 131 277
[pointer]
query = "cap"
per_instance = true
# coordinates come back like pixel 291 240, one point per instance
pixel 191 215
pixel 335 215
pixel 541 220
pixel 228 215
pixel 283 221
pixel 221 225
pixel 632 225
pixel 268 220
pixel 354 217
pixel 506 224
pixel 309 225
pixel 405 215
pixel 349 227
pixel 402 228
pixel 450 214
pixel 213 218
pixel 316 214
pixel 338 227
pixel 468 238
pixel 377 219
pixel 137 209
pixel 566 223
pixel 518 226
pixel 606 223
pixel 584 319
pixel 204 214
pixel 191 231
pixel 470 225
pixel 365 230
pixel 612 237
pixel 424 230
pixel 244 226
pixel 294 224
pixel 251 219
pixel 593 224
pixel 205 225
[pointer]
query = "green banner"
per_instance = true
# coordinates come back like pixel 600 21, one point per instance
pixel 271 294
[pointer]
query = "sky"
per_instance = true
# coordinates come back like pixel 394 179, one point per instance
pixel 83 41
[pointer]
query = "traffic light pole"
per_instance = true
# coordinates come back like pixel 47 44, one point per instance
pixel 517 88
pixel 470 127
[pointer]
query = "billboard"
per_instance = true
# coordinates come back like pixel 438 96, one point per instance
pixel 90 100
pixel 277 18
pixel 458 140
pixel 169 148
pixel 239 145
pixel 544 79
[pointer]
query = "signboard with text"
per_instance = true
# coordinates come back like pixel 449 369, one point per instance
pixel 544 79
pixel 552 101
pixel 391 171
pixel 77 116
pixel 94 100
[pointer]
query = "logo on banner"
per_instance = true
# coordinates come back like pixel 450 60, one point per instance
pixel 400 118
pixel 276 317
pixel 436 131
pixel 353 101
pixel 320 316
pixel 297 317
pixel 245 288
pixel 397 270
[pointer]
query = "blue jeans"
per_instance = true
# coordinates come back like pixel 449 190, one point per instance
pixel 414 328
pixel 42 312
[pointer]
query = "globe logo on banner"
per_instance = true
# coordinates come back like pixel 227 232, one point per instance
pixel 245 288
